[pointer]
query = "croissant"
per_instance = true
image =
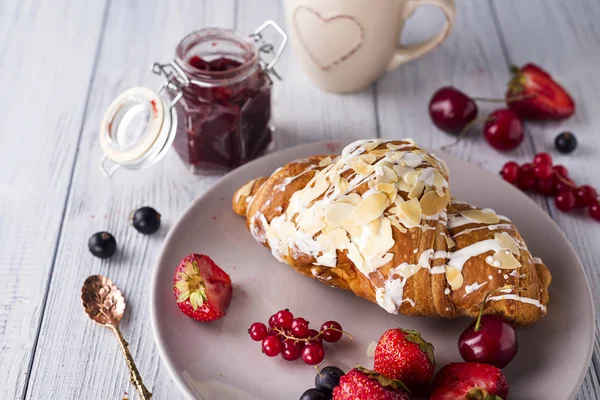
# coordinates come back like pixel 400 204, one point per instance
pixel 379 220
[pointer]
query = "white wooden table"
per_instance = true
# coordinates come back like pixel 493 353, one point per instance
pixel 62 62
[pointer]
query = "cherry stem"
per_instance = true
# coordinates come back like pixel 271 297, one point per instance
pixel 506 100
pixel 486 298
pixel 463 133
pixel 308 339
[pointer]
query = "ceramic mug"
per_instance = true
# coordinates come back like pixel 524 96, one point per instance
pixel 344 45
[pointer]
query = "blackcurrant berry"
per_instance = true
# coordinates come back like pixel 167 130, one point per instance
pixel 328 378
pixel 102 244
pixel 146 220
pixel 565 142
pixel 314 394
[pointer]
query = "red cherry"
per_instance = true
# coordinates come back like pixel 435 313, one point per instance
pixel 586 196
pixel 284 318
pixel 271 346
pixel 563 185
pixel 543 171
pixel 451 110
pixel 272 321
pixel 565 201
pixel 542 159
pixel 510 172
pixel 493 342
pixel 595 211
pixel 332 331
pixel 314 334
pixel 300 327
pixel 292 349
pixel 561 170
pixel 313 354
pixel 258 331
pixel 546 186
pixel 504 130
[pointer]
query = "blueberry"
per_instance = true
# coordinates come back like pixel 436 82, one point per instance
pixel 565 142
pixel 315 394
pixel 146 220
pixel 328 379
pixel 102 244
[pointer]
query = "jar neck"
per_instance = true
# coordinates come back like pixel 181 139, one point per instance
pixel 217 57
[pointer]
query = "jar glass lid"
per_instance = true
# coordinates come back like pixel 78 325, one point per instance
pixel 137 130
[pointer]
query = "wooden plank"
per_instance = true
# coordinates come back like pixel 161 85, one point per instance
pixel 302 112
pixel 75 358
pixel 564 39
pixel 47 53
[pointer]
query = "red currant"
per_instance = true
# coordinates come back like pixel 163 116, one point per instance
pixel 526 181
pixel 561 170
pixel 272 321
pixel 563 185
pixel 313 354
pixel 332 331
pixel 284 319
pixel 526 168
pixel 565 201
pixel 542 159
pixel 510 172
pixel 258 331
pixel 314 334
pixel 292 349
pixel 300 327
pixel 271 346
pixel 504 130
pixel 586 196
pixel 543 171
pixel 546 186
pixel 595 211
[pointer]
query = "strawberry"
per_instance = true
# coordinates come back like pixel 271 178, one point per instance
pixel 533 94
pixel 202 289
pixel 363 384
pixel 469 381
pixel 404 355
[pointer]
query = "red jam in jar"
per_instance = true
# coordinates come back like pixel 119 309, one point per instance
pixel 225 109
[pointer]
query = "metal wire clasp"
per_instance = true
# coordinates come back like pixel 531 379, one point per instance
pixel 267 48
pixel 175 79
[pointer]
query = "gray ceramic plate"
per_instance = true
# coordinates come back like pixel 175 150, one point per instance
pixel 220 361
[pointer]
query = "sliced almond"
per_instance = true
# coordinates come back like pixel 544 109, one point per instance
pixel 454 277
pixel 438 181
pixel 507 242
pixel 408 212
pixel 362 167
pixel 403 186
pixel 379 152
pixel 381 261
pixel 343 184
pixel 246 189
pixel 416 190
pixel 373 226
pixel 488 217
pixel 411 177
pixel 394 222
pixel 337 213
pixel 309 221
pixel 368 158
pixel 352 228
pixel 355 257
pixel 369 208
pixel 338 239
pixel 309 193
pixel 432 203
pixel 412 159
pixel 388 189
pixel 450 242
pixel 371 145
pixel 325 162
pixel 350 198
pixel 393 146
pixel 507 260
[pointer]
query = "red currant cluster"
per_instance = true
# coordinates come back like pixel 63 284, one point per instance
pixel 292 337
pixel 552 180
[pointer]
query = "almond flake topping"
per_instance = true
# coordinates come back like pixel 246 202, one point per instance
pixel 408 213
pixel 325 162
pixel 507 242
pixel 485 216
pixel 505 260
pixel 369 208
pixel 454 277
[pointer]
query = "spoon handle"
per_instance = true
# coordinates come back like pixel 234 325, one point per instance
pixel 135 378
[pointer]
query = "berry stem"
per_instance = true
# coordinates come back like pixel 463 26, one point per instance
pixel 507 100
pixel 564 180
pixel 463 133
pixel 308 339
pixel 486 298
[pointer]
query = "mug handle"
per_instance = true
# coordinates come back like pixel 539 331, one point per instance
pixel 404 54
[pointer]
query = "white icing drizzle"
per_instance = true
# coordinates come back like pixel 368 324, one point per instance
pixel 536 260
pixel 456 220
pixel 515 297
pixel 471 288
pixel 460 257
pixel 490 227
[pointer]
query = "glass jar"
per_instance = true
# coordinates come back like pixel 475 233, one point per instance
pixel 214 105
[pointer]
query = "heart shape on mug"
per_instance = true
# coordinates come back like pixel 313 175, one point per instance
pixel 328 41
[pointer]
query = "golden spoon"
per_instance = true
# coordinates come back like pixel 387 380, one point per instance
pixel 104 304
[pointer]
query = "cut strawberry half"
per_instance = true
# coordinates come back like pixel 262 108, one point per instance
pixel 202 289
pixel 533 94
pixel 469 381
